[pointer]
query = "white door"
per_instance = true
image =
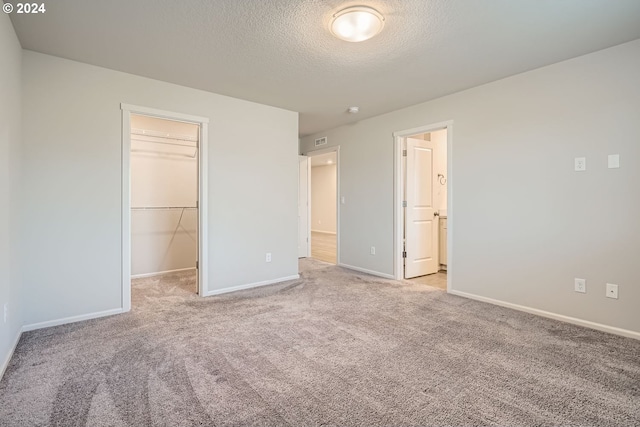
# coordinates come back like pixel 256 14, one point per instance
pixel 421 219
pixel 303 207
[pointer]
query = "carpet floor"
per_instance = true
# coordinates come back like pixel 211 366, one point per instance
pixel 332 348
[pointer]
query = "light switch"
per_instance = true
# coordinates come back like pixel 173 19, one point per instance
pixel 580 164
pixel 614 161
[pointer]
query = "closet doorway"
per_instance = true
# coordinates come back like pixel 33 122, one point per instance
pixel 162 200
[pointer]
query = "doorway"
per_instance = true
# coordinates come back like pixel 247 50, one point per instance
pixel 320 221
pixel 164 200
pixel 422 223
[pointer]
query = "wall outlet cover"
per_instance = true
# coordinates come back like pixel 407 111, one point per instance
pixel 613 161
pixel 612 291
pixel 580 164
pixel 580 285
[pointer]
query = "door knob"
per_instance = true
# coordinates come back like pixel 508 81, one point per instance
pixel 436 213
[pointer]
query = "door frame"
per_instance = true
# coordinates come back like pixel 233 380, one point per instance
pixel 398 219
pixel 203 243
pixel 308 202
pixel 320 152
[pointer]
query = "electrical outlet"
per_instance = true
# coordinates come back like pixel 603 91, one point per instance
pixel 6 311
pixel 580 285
pixel 268 257
pixel 612 291
pixel 580 164
pixel 373 250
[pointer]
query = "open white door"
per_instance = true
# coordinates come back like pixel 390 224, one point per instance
pixel 421 223
pixel 303 207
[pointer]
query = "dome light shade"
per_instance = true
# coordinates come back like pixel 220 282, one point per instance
pixel 357 24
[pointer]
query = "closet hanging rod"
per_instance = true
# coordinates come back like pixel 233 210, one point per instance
pixel 151 134
pixel 150 208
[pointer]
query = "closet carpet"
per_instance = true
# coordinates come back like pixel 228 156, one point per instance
pixel 333 348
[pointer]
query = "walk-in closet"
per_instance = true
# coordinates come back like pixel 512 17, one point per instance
pixel 164 202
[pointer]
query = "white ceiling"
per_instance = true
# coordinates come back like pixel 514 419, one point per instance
pixel 281 53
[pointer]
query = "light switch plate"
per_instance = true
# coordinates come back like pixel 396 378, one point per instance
pixel 612 291
pixel 614 161
pixel 580 164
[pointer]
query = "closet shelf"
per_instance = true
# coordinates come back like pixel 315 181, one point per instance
pixel 151 208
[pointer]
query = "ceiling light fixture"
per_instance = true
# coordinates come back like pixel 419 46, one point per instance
pixel 353 110
pixel 357 23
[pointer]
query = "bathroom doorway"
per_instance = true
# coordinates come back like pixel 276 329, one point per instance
pixel 423 218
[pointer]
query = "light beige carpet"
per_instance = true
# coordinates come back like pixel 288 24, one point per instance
pixel 333 348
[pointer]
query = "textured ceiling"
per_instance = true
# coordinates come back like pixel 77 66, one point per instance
pixel 280 52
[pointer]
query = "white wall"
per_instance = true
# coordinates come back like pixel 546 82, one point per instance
pixel 440 162
pixel 73 184
pixel 524 223
pixel 162 176
pixel 10 142
pixel 323 198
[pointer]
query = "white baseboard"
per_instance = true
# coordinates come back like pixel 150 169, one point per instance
pixel 364 270
pixel 71 319
pixel 160 273
pixel 250 285
pixel 324 232
pixel 5 362
pixel 550 315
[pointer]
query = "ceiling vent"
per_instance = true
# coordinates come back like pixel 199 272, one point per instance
pixel 321 141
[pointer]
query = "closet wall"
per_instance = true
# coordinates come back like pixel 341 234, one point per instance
pixel 323 198
pixel 164 182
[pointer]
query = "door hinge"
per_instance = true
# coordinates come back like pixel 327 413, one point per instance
pixel 404 153
pixel 404 254
pixel 197 265
pixel 197 204
pixel 404 204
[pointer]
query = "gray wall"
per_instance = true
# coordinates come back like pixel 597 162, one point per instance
pixel 524 223
pixel 10 284
pixel 73 195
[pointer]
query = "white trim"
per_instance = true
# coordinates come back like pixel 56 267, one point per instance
pixel 7 359
pixel 160 273
pixel 550 315
pixel 324 232
pixel 251 285
pixel 308 207
pixel 320 152
pixel 125 215
pixel 203 174
pixel 71 319
pixel 371 272
pixel 163 114
pixel 398 138
pixel 203 209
